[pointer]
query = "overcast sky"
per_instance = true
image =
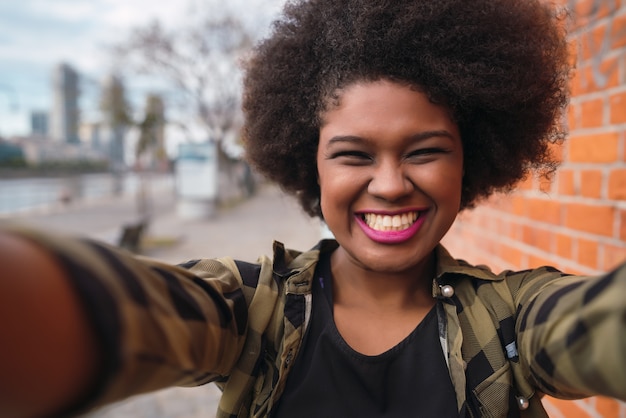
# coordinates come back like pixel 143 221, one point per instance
pixel 37 35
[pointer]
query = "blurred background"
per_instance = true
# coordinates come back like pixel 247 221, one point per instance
pixel 103 97
pixel 120 120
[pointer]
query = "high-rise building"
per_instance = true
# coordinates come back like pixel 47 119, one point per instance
pixel 39 123
pixel 65 110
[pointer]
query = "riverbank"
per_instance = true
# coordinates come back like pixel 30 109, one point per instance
pixel 54 170
pixel 51 193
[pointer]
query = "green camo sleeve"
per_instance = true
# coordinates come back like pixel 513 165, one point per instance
pixel 158 325
pixel 572 333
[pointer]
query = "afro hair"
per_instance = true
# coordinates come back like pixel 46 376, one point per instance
pixel 500 66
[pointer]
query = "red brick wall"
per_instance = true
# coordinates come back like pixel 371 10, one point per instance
pixel 576 222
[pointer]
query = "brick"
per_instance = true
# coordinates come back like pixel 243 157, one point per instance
pixel 518 205
pixel 535 261
pixel 544 184
pixel 527 234
pixel 503 227
pixel 623 65
pixel 516 231
pixel 593 41
pixel 564 246
pixel 600 148
pixel 511 255
pixel 622 226
pixel 566 408
pixel 618 32
pixel 577 82
pixel 591 183
pixel 588 253
pixel 573 117
pixel 589 218
pixel 566 182
pixel 544 211
pixel 538 238
pixel 583 12
pixel 617 108
pixel 610 69
pixel 607 407
pixel 617 184
pixel 526 183
pixel 613 255
pixel 556 152
pixel 501 203
pixel 592 113
pixel 483 222
pixel 600 76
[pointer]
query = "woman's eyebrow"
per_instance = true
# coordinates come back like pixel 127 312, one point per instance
pixel 351 139
pixel 420 136
pixel 432 134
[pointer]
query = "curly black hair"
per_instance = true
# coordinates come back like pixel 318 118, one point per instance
pixel 500 66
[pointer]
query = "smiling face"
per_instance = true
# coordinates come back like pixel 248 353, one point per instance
pixel 390 166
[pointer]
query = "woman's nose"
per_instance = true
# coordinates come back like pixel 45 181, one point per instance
pixel 389 182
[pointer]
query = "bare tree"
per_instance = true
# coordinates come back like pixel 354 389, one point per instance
pixel 116 112
pixel 149 144
pixel 199 62
pixel 118 118
pixel 151 129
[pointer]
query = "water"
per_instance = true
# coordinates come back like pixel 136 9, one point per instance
pixel 41 193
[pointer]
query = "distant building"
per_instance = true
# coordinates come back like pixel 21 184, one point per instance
pixel 115 109
pixel 38 152
pixel 65 110
pixel 39 123
pixel 90 135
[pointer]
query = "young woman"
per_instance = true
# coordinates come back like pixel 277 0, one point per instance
pixel 385 118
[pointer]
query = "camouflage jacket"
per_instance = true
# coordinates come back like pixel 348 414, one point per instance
pixel 504 336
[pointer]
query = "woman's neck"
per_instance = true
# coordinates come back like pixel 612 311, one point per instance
pixel 356 286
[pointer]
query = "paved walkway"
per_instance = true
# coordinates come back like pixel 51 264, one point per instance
pixel 244 231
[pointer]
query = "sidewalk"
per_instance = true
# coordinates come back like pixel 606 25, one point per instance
pixel 244 231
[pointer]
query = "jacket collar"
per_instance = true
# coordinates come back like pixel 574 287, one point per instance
pixel 448 268
pixel 289 262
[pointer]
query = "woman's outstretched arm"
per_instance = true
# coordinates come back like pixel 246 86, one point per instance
pixel 48 352
pixel 84 324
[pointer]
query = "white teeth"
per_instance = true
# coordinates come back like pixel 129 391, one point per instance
pixel 390 223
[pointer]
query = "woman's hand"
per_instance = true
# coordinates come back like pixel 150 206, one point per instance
pixel 48 353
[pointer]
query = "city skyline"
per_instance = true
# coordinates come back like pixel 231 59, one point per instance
pixel 36 36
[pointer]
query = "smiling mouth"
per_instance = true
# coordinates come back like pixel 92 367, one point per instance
pixel 390 223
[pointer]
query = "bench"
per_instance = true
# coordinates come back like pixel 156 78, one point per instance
pixel 132 235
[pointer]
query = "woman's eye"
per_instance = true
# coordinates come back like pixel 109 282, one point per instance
pixel 426 153
pixel 355 156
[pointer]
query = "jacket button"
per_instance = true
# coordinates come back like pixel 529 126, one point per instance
pixel 523 403
pixel 447 291
pixel 289 357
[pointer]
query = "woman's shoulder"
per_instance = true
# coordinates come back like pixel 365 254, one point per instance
pixel 447 265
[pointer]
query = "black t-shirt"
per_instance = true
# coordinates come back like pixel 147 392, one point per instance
pixel 329 379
